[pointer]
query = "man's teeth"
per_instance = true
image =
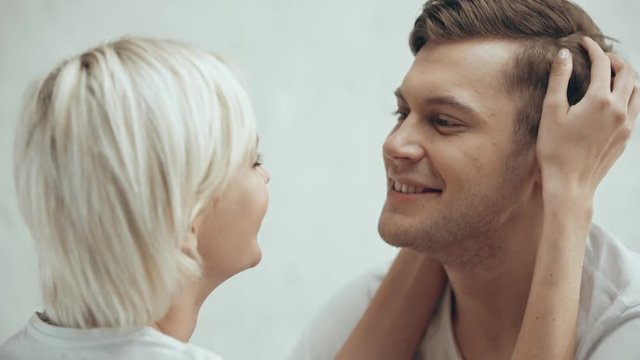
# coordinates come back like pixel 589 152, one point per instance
pixel 403 188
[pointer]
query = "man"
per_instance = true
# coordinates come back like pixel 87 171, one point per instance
pixel 464 183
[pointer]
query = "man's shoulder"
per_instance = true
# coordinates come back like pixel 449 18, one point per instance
pixel 610 290
pixel 333 324
pixel 609 300
pixel 610 271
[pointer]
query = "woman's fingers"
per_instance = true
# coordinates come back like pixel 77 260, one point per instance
pixel 600 67
pixel 624 80
pixel 556 99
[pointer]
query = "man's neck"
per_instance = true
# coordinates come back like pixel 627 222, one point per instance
pixel 491 296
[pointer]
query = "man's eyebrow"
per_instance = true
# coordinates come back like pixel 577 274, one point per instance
pixel 451 101
pixel 443 100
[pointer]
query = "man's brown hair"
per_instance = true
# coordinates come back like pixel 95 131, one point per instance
pixel 542 27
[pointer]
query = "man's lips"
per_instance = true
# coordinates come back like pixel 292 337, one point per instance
pixel 407 186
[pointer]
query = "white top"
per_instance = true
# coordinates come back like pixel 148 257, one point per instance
pixel 608 318
pixel 41 341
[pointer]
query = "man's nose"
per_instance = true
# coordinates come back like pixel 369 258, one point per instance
pixel 403 144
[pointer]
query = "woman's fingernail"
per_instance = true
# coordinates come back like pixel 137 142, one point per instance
pixel 564 54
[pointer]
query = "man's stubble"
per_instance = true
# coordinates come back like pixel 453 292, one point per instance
pixel 470 233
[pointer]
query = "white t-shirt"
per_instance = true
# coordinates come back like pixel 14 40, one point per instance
pixel 41 341
pixel 608 318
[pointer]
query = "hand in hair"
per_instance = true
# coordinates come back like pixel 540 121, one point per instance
pixel 577 145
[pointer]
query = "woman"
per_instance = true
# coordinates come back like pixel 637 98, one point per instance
pixel 137 174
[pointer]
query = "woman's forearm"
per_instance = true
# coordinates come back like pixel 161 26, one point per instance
pixel 548 328
pixel 397 317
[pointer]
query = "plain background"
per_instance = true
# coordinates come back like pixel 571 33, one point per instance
pixel 322 74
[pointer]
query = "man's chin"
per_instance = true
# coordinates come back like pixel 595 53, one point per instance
pixel 418 234
pixel 394 232
pixel 398 242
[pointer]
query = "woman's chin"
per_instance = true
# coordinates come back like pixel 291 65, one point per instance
pixel 256 258
pixel 251 259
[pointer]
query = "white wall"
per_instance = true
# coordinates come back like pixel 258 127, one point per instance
pixel 322 74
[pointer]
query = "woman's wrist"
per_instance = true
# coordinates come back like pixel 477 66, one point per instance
pixel 568 212
pixel 562 196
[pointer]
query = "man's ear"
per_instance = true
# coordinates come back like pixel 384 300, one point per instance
pixel 534 168
pixel 537 176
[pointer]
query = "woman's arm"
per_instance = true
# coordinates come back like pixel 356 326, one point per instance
pixel 398 315
pixel 576 147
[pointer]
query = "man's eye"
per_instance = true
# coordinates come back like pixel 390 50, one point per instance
pixel 441 122
pixel 400 115
pixel 259 160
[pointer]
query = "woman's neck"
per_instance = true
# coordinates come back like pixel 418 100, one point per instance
pixel 180 320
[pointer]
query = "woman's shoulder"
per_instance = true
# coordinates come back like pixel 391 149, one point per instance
pixel 162 346
pixel 154 344
pixel 39 340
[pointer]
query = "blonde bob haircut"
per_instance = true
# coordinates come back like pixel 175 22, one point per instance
pixel 118 151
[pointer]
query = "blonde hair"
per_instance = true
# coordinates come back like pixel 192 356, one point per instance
pixel 117 152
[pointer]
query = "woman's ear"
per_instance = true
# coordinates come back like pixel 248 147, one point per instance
pixel 189 245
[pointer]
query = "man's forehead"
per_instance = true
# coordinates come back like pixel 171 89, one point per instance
pixel 462 68
pixel 469 52
pixel 469 72
pixel 481 62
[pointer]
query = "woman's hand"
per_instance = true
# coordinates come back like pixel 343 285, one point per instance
pixel 577 145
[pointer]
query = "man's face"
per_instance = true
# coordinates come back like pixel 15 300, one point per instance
pixel 454 172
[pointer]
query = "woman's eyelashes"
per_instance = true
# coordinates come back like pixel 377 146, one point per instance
pixel 400 115
pixel 259 160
